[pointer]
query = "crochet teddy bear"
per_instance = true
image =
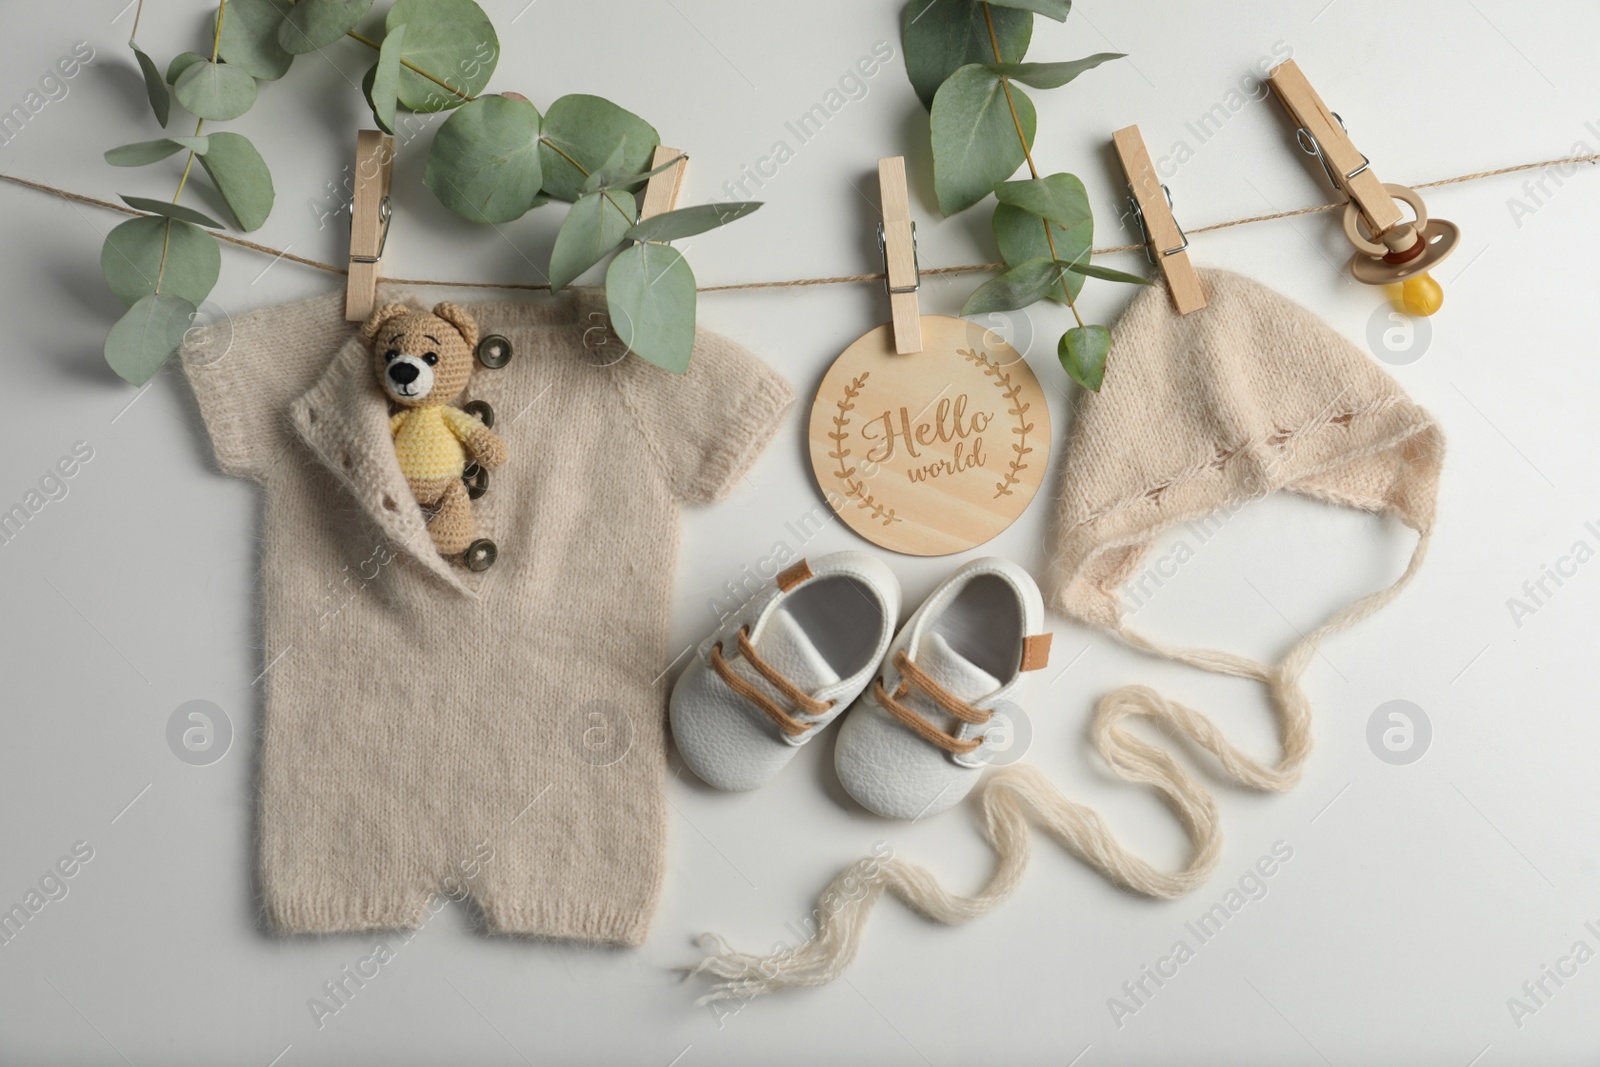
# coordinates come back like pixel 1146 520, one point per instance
pixel 423 361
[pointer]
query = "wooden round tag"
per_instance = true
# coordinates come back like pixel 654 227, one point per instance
pixel 934 452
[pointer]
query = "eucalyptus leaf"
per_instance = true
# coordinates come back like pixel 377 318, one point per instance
pixel 975 142
pixel 592 228
pixel 384 91
pixel 589 130
pixel 941 36
pixel 170 210
pixel 1018 287
pixel 607 172
pixel 1050 9
pixel 182 62
pixel 1083 351
pixel 688 221
pixel 484 161
pixel 241 176
pixel 1061 198
pixel 454 41
pixel 650 295
pixel 1105 274
pixel 1051 75
pixel 1027 208
pixel 147 335
pixel 141 153
pixel 154 88
pixel 602 179
pixel 366 92
pixel 132 259
pixel 1021 237
pixel 314 24
pixel 215 90
pixel 250 38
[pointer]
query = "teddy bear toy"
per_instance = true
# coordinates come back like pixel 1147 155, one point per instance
pixel 423 361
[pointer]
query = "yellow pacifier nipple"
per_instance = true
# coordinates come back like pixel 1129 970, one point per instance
pixel 1421 295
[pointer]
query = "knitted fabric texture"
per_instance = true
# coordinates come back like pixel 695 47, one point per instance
pixel 1203 412
pixel 499 735
pixel 1199 413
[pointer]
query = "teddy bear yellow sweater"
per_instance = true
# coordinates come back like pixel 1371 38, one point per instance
pixel 428 440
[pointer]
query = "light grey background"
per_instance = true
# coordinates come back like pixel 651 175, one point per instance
pixel 1420 896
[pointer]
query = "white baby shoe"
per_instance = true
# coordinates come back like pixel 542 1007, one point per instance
pixel 783 667
pixel 918 739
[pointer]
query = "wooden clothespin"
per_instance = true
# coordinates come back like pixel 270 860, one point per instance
pixel 1165 243
pixel 897 240
pixel 369 222
pixel 1389 249
pixel 1322 134
pixel 662 190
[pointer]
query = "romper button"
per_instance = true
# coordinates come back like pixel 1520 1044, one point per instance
pixel 494 351
pixel 480 555
pixel 476 479
pixel 480 409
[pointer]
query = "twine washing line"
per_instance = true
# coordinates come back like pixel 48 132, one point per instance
pixel 787 283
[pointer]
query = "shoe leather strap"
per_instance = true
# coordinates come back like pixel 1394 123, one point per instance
pixel 806 703
pixel 912 676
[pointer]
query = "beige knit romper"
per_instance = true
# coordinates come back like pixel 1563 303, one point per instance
pixel 498 735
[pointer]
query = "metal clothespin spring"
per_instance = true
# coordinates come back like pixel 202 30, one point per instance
pixel 1144 234
pixel 916 262
pixel 1308 144
pixel 384 212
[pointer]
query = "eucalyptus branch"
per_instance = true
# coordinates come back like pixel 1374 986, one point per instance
pixel 498 152
pixel 1027 154
pixel 216 36
pixel 467 97
pixel 199 124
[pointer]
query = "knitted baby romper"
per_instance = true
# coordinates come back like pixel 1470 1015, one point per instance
pixel 496 733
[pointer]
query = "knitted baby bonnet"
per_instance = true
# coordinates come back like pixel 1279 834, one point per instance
pixel 1198 415
pixel 1201 413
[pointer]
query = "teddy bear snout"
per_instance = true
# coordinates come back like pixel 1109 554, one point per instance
pixel 407 378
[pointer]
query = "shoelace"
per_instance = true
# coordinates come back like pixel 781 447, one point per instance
pixel 782 719
pixel 913 676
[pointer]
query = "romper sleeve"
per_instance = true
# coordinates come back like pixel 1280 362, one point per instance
pixel 245 370
pixel 707 426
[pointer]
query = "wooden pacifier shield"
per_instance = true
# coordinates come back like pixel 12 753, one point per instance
pixel 934 452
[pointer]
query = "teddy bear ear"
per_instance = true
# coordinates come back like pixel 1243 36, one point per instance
pixel 386 313
pixel 457 316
